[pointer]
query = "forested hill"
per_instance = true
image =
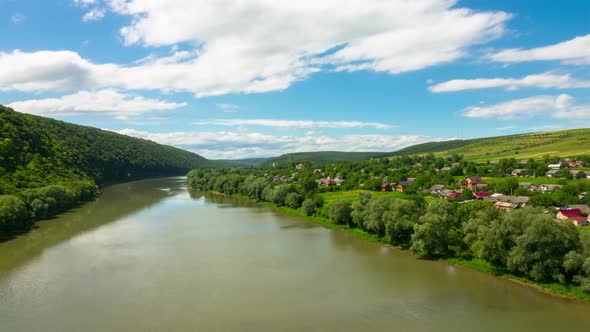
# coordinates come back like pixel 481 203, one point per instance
pixel 37 151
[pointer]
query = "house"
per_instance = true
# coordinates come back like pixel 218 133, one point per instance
pixel 481 194
pixel 473 182
pixel 338 181
pixel 437 189
pixel 455 164
pixel 527 185
pixel 523 162
pixel 582 207
pixel 317 171
pixel 494 162
pixel 575 173
pixel 519 172
pixel 547 188
pixel 505 206
pixel 566 214
pixel 554 166
pixel 385 187
pixel 402 185
pixel 418 165
pixel 454 195
pixel 574 215
pixel 552 173
pixel 514 201
pixel 572 163
pixel 299 166
pixel 411 180
pixel 445 169
pixel 323 182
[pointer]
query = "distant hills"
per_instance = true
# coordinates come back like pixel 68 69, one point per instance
pixel 37 151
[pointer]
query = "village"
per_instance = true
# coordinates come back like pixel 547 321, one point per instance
pixel 472 188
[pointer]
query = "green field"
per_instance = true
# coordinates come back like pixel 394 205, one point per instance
pixel 352 196
pixel 561 143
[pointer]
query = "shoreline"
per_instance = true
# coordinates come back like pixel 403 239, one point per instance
pixel 553 289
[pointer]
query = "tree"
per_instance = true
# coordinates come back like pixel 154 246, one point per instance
pixel 14 215
pixel 400 220
pixel 308 206
pixel 340 212
pixel 293 200
pixel 431 234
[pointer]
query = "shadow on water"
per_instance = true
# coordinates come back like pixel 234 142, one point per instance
pixel 114 203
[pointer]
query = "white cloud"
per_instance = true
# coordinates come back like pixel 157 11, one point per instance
pixel 228 108
pixel 573 51
pixel 107 102
pixel 260 46
pixel 18 18
pixel 505 128
pixel 546 80
pixel 562 106
pixel 95 14
pixel 306 124
pixel 232 145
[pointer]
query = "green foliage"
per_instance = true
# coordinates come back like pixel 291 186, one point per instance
pixel 308 207
pixel 14 215
pixel 293 200
pixel 340 212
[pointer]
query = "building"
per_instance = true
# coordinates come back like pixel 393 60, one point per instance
pixel 554 166
pixel 527 185
pixel 385 187
pixel 574 215
pixel 454 195
pixel 437 189
pixel 512 202
pixel 402 186
pixel 582 207
pixel 473 182
pixel 481 194
pixel 523 162
pixel 547 188
pixel 519 172
pixel 552 173
pixel 299 166
pixel 445 169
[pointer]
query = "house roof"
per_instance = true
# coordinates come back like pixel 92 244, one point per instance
pixel 454 195
pixel 571 212
pixel 438 187
pixel 404 183
pixel 582 207
pixel 481 194
pixel 475 180
pixel 385 185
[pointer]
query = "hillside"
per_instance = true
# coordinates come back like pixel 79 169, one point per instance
pixel 561 143
pixel 37 151
pixel 325 156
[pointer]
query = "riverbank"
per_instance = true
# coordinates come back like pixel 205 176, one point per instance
pixel 555 289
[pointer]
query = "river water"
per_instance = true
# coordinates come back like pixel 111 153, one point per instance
pixel 148 257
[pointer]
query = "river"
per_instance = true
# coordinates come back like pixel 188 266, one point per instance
pixel 145 256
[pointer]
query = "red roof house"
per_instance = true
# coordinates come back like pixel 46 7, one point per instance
pixel 564 214
pixel 481 194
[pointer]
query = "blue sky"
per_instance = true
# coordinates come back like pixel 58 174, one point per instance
pixel 233 79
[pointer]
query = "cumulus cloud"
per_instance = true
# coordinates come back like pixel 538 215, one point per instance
pixel 232 145
pixel 107 102
pixel 299 124
pixel 562 106
pixel 573 51
pixel 95 14
pixel 546 80
pixel 260 46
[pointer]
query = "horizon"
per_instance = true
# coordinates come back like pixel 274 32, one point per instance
pixel 260 81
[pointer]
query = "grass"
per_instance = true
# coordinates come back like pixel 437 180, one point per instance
pixel 563 143
pixel 352 196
